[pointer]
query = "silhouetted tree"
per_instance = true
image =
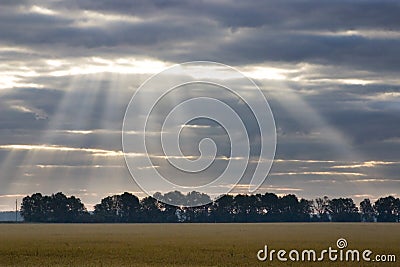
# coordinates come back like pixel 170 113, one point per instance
pixel 129 207
pixel 269 207
pixel 33 208
pixel 293 210
pixel 387 209
pixel 195 199
pixel 197 213
pixel 243 209
pixel 118 208
pixel 367 211
pixel 287 207
pixel 343 210
pixel 150 210
pixel 321 209
pixel 240 208
pixel 201 214
pixel 305 209
pixel 222 209
pixel 169 213
pixel 55 208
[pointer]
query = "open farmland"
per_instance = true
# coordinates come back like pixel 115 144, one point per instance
pixel 184 244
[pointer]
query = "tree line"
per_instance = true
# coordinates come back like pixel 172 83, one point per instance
pixel 268 207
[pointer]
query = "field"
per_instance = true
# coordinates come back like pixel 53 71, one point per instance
pixel 185 244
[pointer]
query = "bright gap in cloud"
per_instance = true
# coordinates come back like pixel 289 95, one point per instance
pixel 371 34
pixel 42 10
pixel 89 18
pixel 318 173
pixel 269 73
pixel 96 65
pixel 94 151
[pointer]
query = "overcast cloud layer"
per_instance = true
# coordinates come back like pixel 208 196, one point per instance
pixel 329 70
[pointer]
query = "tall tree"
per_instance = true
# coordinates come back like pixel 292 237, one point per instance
pixel 118 208
pixel 343 210
pixel 150 210
pixel 55 208
pixel 243 208
pixel 305 210
pixel 33 208
pixel 288 208
pixel 387 209
pixel 321 209
pixel 222 209
pixel 293 210
pixel 195 199
pixel 367 211
pixel 129 207
pixel 107 210
pixel 269 207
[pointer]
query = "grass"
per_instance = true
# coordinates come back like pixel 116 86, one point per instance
pixel 184 244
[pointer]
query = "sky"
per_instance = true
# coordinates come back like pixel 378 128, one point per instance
pixel 329 70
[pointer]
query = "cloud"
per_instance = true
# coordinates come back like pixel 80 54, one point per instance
pixel 39 114
pixel 260 32
pixel 368 164
pixel 318 173
pixel 374 180
pixel 328 69
pixel 93 151
pixel 12 196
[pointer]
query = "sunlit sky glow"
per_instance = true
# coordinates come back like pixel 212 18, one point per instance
pixel 329 70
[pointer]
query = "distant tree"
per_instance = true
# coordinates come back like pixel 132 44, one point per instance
pixel 222 209
pixel 387 209
pixel 33 208
pixel 150 210
pixel 201 214
pixel 243 208
pixel 55 208
pixel 288 208
pixel 367 211
pixel 343 210
pixel 170 213
pixel 65 209
pixel 305 210
pixel 397 209
pixel 174 197
pixel 321 209
pixel 107 210
pixel 195 199
pixel 118 208
pixel 293 210
pixel 269 207
pixel 129 207
pixel 196 212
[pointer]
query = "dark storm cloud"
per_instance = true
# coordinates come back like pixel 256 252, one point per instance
pixel 278 31
pixel 356 51
pixel 21 26
pixel 332 15
pixel 231 32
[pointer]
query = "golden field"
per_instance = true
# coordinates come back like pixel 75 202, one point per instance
pixel 185 244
